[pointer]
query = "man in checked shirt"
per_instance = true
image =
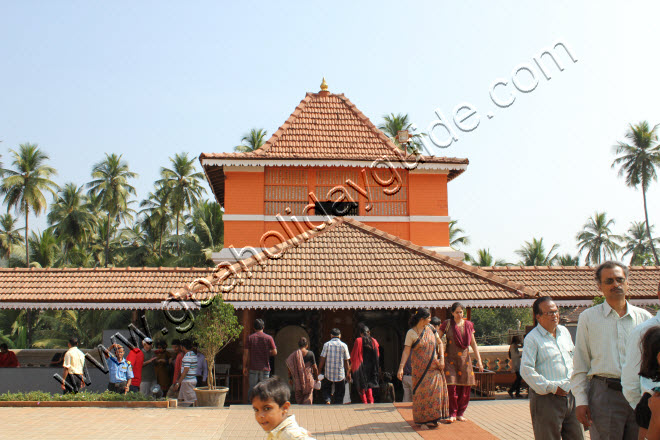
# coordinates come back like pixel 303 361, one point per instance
pixel 334 357
pixel 547 366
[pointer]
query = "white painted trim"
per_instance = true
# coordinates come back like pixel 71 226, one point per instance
pixel 589 302
pixel 377 304
pixel 430 218
pixel 98 305
pixel 257 162
pixel 426 171
pixel 320 218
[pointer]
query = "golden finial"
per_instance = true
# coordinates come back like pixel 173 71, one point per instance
pixel 324 85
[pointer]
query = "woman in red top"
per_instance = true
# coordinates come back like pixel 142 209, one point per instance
pixel 458 363
pixel 364 365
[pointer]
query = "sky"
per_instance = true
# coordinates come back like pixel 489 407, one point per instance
pixel 151 79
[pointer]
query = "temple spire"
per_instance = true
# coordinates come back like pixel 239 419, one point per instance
pixel 324 85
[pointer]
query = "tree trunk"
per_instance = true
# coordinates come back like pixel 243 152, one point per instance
pixel 178 253
pixel 107 242
pixel 648 228
pixel 160 242
pixel 27 251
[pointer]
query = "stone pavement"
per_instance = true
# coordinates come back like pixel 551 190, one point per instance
pixel 504 419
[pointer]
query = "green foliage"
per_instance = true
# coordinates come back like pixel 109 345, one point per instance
pixel 598 300
pixel 597 239
pixel 215 327
pixel 491 324
pixel 533 253
pixel 83 396
pixel 252 140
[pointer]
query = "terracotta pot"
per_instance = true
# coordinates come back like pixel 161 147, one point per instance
pixel 214 398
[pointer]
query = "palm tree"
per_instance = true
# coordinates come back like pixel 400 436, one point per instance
pixel 157 214
pixel 638 162
pixel 597 239
pixel 252 140
pixel 71 218
pixel 392 124
pixel 182 184
pixel 9 235
pixel 484 259
pixel 43 248
pixel 455 239
pixel 533 254
pixel 567 260
pixel 111 186
pixel 637 243
pixel 206 235
pixel 24 186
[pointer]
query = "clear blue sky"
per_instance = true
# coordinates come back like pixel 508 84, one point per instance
pixel 150 79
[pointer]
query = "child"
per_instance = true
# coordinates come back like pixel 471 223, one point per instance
pixel 270 401
pixel 387 389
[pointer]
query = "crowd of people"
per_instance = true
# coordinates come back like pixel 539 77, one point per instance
pixel 144 370
pixel 607 382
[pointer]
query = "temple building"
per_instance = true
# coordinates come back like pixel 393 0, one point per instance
pixel 328 224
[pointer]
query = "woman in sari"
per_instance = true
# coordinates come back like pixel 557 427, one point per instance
pixel 459 374
pixel 430 402
pixel 303 372
pixel 364 365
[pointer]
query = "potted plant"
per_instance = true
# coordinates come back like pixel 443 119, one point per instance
pixel 216 326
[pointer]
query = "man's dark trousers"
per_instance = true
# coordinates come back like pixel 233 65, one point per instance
pixel 553 417
pixel 340 390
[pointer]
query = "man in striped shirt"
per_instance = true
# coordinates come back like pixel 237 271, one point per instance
pixel 603 334
pixel 547 365
pixel 188 378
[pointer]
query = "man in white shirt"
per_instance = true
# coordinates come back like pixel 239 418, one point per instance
pixel 633 388
pixel 547 365
pixel 74 364
pixel 602 336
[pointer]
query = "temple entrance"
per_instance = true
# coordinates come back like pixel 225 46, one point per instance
pixel 286 341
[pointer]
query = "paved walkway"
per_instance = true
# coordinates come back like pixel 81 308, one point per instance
pixel 504 419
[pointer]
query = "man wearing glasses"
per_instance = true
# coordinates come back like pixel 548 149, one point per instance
pixel 546 366
pixel 602 336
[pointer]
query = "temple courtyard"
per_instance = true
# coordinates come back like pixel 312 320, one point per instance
pixel 498 419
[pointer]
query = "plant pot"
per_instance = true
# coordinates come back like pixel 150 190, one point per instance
pixel 214 398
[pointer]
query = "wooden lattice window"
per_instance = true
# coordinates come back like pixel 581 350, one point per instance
pixel 331 186
pixel 285 187
pixel 388 191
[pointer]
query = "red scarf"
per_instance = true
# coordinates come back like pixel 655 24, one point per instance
pixel 462 338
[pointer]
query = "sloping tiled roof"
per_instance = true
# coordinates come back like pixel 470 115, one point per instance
pixel 326 127
pixel 346 264
pixel 568 282
pixel 112 285
pixel 350 262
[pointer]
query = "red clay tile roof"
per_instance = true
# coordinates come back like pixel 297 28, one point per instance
pixel 113 285
pixel 568 282
pixel 324 126
pixel 345 262
pixel 327 127
pixel 348 261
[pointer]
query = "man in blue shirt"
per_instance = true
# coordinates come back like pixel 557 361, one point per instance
pixel 547 366
pixel 120 370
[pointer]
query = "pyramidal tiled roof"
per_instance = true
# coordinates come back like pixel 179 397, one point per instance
pixel 350 264
pixel 328 126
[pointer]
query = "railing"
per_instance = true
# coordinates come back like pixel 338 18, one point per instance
pixel 484 389
pixel 235 394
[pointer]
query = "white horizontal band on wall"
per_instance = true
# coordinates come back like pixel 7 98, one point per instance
pixel 320 218
pixel 159 305
pixel 589 302
pixel 256 162
pixel 377 304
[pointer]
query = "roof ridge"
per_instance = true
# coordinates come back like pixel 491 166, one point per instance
pixel 282 128
pixel 457 264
